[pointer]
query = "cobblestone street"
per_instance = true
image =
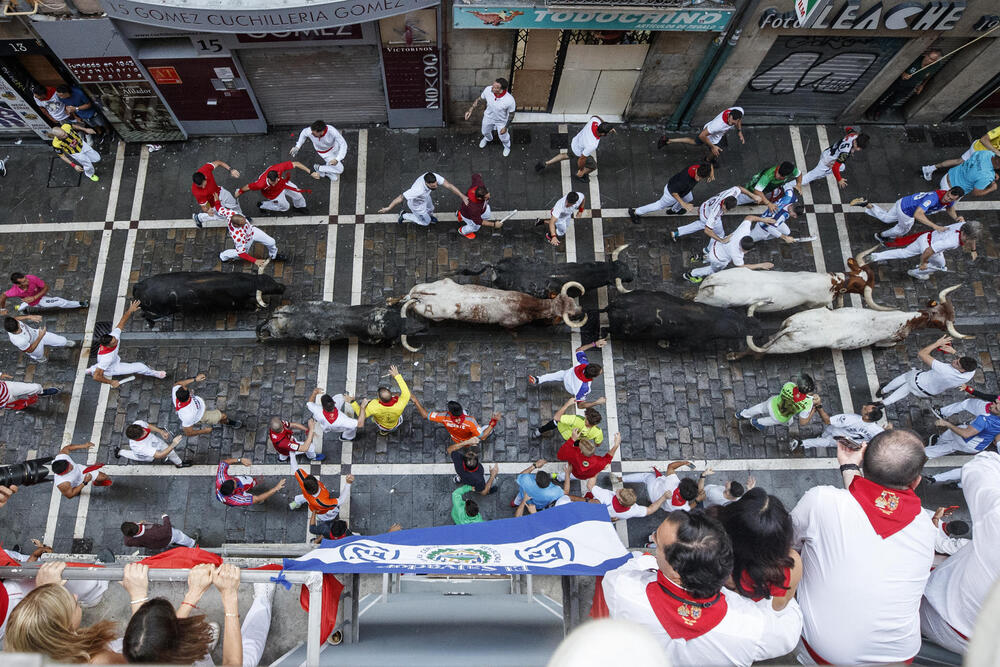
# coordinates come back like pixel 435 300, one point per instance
pixel 96 240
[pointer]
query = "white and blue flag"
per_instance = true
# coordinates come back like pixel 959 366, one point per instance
pixel 573 539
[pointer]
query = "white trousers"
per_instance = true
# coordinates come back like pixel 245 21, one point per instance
pixel 894 216
pixel 758 235
pixel 421 210
pixel 938 630
pixel 487 130
pixel 699 226
pixel 51 302
pixel 331 171
pixel 132 456
pixel 19 390
pixel 827 439
pixel 949 442
pixel 292 458
pixel 256 625
pixel 935 262
pixel 902 386
pixel 344 424
pixel 655 486
pixel 177 537
pixel 762 413
pixel 320 518
pixel 227 199
pixel 470 227
pixel 259 236
pixel 123 368
pixel 974 406
pixel 562 223
pixel 821 170
pixel 667 201
pixel 49 340
pixel 714 263
pixel 566 377
pixel 281 203
pixel 86 159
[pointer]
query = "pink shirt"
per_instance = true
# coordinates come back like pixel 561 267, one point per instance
pixel 35 285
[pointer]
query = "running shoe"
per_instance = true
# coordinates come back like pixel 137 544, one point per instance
pixel 483 142
pixel 858 201
pixel 928 172
pixel 633 216
pixel 692 279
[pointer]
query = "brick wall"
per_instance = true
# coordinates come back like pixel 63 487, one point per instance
pixel 475 59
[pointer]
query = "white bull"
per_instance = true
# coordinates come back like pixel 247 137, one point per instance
pixel 775 291
pixel 853 328
pixel 447 300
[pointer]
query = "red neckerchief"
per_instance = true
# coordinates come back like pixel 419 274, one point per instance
pixel 142 529
pixel 105 350
pixel 389 403
pixel 579 372
pixel 798 395
pixel 677 500
pixel 331 416
pixel 324 132
pixel 940 195
pixel 680 615
pixel 497 97
pixel 747 586
pixel 617 505
pixel 888 510
pixel 693 170
pixel 725 116
pixel 468 469
pixel 145 434
pixel 178 405
pixel 593 128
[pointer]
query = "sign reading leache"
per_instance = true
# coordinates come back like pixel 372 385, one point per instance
pixel 307 17
pixel 509 18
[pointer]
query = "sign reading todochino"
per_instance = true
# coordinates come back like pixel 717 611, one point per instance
pixel 591 18
pixel 574 539
pixel 307 17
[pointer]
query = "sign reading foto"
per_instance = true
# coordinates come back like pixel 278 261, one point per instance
pixel 597 18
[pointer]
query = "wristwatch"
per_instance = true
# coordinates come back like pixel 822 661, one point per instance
pixel 850 466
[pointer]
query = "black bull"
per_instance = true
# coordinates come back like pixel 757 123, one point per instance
pixel 543 279
pixel 325 321
pixel 662 317
pixel 202 292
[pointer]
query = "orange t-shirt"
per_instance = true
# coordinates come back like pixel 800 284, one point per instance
pixel 459 428
pixel 323 501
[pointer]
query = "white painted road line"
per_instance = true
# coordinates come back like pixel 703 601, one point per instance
pixel 116 182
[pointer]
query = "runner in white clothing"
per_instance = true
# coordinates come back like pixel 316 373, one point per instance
pixel 938 378
pixel 682 493
pixel 930 246
pixel 857 428
pixel 866 552
pixel 720 255
pixel 713 134
pixel 33 342
pixel 833 158
pixel 584 147
pixel 147 443
pixel 333 414
pixel 109 362
pixel 17 395
pixel 330 146
pixel 418 199
pixel 956 589
pixel 621 504
pixel 564 211
pixel 710 213
pixel 717 494
pixel 678 594
pixel 191 410
pixel 500 106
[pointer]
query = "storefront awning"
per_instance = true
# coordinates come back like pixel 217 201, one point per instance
pixel 257 16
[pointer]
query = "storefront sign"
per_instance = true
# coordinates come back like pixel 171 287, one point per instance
pixel 608 18
pixel 306 17
pixel 20 47
pixel 323 35
pixel 16 113
pixel 904 16
pixel 100 70
pixel 412 77
pixel 808 10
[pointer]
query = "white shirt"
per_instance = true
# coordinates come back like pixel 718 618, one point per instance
pixel 74 475
pixel 108 359
pixel 946 240
pixel 860 594
pixel 149 445
pixel 748 633
pixel 23 339
pixel 419 189
pixel 717 127
pixel 586 140
pixel 564 210
pixel 941 377
pixel 850 425
pixel 498 109
pixel 55 106
pixel 730 251
pixel 956 589
pixel 330 145
pixel 840 151
pixel 191 413
pixel 715 494
pixel 710 211
pixel 606 496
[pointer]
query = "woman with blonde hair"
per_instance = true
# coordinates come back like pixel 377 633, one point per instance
pixel 47 621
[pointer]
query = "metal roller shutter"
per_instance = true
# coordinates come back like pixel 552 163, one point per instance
pixel 813 79
pixel 341 84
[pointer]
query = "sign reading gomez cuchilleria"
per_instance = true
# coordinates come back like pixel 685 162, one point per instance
pixel 307 16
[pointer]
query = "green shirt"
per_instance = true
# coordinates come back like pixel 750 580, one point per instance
pixel 458 514
pixel 791 407
pixel 767 180
pixel 567 423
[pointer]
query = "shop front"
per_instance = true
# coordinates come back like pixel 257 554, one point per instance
pixel 588 60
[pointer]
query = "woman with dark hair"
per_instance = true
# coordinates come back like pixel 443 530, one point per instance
pixel 764 563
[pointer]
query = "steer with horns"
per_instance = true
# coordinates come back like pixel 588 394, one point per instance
pixel 854 328
pixel 210 292
pixel 785 290
pixel 325 321
pixel 543 279
pixel 447 300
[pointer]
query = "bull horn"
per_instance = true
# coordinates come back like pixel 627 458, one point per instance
pixel 572 283
pixel 943 294
pixel 574 324
pixel 870 300
pixel 617 251
pixel 406 307
pixel 621 288
pixel 953 332
pixel 260 299
pixel 406 344
pixel 754 348
pixel 860 258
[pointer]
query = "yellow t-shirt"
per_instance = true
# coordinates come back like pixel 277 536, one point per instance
pixel 567 423
pixel 68 145
pixel 387 416
pixel 994 136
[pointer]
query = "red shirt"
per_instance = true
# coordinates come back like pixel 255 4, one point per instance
pixel 209 192
pixel 271 191
pixel 475 208
pixel 284 442
pixel 584 467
